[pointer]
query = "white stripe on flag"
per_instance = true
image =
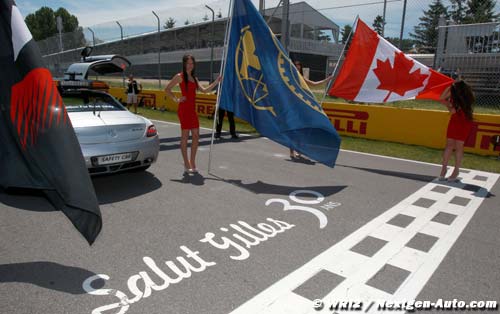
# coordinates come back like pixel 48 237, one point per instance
pixel 20 32
pixel 369 92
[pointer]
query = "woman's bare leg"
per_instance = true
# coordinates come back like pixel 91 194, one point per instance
pixel 450 144
pixel 195 133
pixel 459 155
pixel 184 140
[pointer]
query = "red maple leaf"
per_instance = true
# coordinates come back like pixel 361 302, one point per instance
pixel 398 79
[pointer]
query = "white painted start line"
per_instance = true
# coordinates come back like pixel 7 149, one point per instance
pixel 411 239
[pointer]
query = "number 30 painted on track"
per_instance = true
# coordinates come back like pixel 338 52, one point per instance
pixel 323 220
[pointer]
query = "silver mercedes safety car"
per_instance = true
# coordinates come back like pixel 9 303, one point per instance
pixel 112 139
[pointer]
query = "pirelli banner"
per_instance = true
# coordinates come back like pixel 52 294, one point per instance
pixel 205 103
pixel 408 126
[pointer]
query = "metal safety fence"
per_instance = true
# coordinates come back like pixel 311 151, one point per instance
pixel 472 52
pixel 156 42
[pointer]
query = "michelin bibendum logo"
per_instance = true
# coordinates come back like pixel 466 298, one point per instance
pixel 252 80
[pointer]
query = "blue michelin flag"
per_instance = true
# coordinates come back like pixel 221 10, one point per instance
pixel 262 86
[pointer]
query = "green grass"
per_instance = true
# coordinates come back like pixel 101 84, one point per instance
pixel 319 92
pixel 205 122
pixel 412 152
pixel 145 85
pixel 419 153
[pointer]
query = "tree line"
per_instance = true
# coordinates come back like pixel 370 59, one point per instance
pixel 43 25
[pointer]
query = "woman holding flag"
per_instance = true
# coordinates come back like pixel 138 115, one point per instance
pixel 188 83
pixel 458 98
pixel 293 154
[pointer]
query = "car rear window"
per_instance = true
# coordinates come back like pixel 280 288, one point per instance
pixel 88 101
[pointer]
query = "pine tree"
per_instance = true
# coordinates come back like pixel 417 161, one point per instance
pixel 378 25
pixel 426 33
pixel 170 23
pixel 480 11
pixel 345 32
pixel 186 22
pixel 457 12
pixel 219 14
pixel 406 46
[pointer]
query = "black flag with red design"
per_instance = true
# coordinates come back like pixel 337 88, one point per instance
pixel 38 146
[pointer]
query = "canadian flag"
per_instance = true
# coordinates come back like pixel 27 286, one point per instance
pixel 375 71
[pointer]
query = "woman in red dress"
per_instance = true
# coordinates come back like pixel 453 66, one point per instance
pixel 459 99
pixel 188 118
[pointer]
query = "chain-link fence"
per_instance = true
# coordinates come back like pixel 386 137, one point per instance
pixel 155 44
pixel 63 42
pixel 472 52
pixel 131 27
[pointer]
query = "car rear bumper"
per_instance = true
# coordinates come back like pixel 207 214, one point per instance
pixel 146 154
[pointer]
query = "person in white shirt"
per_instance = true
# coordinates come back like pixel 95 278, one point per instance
pixel 133 89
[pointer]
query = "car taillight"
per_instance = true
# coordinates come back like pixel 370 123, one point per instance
pixel 151 131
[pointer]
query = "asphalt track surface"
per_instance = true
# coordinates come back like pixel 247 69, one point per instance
pixel 275 235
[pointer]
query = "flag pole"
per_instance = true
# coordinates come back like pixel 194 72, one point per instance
pixel 272 14
pixel 221 71
pixel 329 85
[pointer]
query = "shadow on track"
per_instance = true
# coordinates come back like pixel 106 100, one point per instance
pixel 172 143
pixel 194 179
pixel 108 188
pixel 48 275
pixel 478 190
pixel 123 186
pixel 260 187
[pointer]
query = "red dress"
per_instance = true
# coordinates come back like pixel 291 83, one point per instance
pixel 187 109
pixel 459 126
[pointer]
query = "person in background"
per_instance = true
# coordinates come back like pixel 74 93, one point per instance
pixel 293 154
pixel 220 120
pixel 133 89
pixel 458 99
pixel 188 83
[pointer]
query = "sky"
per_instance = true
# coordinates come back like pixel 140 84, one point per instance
pixel 136 16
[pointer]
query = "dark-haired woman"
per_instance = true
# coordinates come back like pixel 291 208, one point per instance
pixel 186 112
pixel 459 99
pixel 293 154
